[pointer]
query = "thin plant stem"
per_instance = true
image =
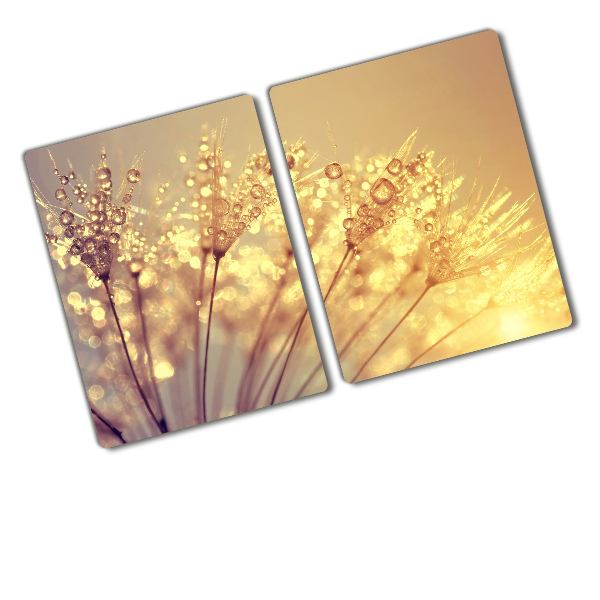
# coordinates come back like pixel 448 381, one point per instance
pixel 335 279
pixel 138 289
pixel 200 297
pixel 351 339
pixel 137 383
pixel 249 374
pixel 224 363
pixel 273 364
pixel 444 338
pixel 210 311
pixel 389 335
pixel 106 422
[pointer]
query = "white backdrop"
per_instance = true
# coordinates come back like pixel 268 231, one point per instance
pixel 473 478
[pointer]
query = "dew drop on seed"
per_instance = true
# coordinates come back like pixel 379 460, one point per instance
pixel 103 173
pixel 60 194
pixel 428 227
pixel 382 191
pixel 363 211
pixel 220 207
pixel 119 217
pixel 67 218
pixel 395 166
pixel 133 176
pixel 333 171
pixel 257 191
pixel 76 248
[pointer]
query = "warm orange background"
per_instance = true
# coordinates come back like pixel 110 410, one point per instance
pixel 456 93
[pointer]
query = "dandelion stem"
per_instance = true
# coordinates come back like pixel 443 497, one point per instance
pixel 118 433
pixel 249 375
pixel 163 422
pixel 335 279
pixel 200 297
pixel 137 383
pixel 351 339
pixel 272 366
pixel 444 338
pixel 224 362
pixel 210 311
pixel 389 335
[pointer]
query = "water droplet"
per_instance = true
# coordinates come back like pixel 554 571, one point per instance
pixel 434 246
pixel 133 175
pixel 126 198
pixel 363 211
pixel 51 238
pixel 382 191
pixel 346 185
pixel 70 231
pixel 87 259
pixel 63 179
pixel 222 235
pixel 67 218
pixel 378 223
pixel 220 207
pixel 76 248
pixel 103 173
pixel 55 171
pixel 428 226
pixel 333 171
pixel 119 217
pixel 237 209
pixel 348 223
pixel 257 191
pixel 114 237
pixel 255 211
pixel 210 230
pixel 291 161
pixel 395 166
pixel 89 245
pixel 104 251
pixel 60 194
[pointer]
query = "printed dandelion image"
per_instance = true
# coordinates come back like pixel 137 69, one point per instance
pixel 420 207
pixel 175 269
